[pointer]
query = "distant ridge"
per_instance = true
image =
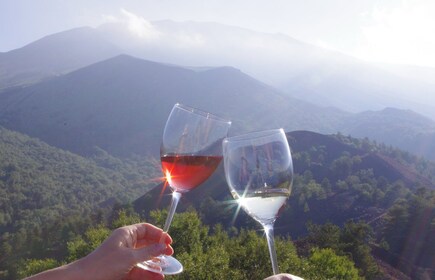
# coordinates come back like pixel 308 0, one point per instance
pixel 400 128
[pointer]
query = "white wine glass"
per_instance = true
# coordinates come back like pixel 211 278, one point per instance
pixel 259 172
pixel 190 152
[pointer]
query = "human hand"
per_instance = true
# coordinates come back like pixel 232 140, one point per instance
pixel 283 276
pixel 117 257
pixel 126 246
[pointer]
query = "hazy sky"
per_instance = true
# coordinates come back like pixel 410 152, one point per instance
pixel 395 31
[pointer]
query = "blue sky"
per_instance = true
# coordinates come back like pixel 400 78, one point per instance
pixel 394 31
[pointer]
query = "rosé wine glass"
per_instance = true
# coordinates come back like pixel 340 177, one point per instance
pixel 190 152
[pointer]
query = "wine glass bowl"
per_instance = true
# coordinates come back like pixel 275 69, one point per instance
pixel 259 172
pixel 192 146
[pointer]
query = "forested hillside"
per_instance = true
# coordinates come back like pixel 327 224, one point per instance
pixel 41 185
pixel 364 205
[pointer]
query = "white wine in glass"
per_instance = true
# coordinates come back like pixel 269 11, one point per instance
pixel 190 152
pixel 259 172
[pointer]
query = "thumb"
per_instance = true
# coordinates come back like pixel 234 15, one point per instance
pixel 149 252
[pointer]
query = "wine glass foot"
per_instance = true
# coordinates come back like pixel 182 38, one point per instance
pixel 163 264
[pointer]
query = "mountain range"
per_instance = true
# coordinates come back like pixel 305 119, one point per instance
pixel 360 91
pixel 121 105
pixel 301 70
pixel 311 73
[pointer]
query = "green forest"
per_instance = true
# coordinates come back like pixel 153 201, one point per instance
pixel 358 210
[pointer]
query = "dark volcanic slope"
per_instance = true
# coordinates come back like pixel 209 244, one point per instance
pixel 300 142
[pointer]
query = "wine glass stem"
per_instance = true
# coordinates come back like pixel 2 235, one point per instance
pixel 175 199
pixel 268 228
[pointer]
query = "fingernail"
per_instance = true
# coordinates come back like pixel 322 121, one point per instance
pixel 168 237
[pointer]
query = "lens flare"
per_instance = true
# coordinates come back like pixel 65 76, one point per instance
pixel 168 177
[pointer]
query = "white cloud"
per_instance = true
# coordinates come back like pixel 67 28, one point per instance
pixel 134 24
pixel 143 31
pixel 139 26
